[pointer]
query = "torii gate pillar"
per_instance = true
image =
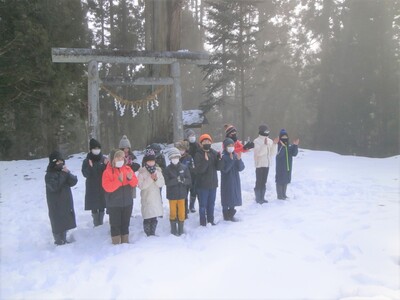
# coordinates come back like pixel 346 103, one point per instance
pixel 177 118
pixel 93 100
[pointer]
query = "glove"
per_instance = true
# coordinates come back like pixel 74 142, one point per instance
pixel 249 145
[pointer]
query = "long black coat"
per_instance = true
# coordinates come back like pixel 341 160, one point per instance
pixel 177 190
pixel 206 170
pixel 94 196
pixel 231 193
pixel 284 158
pixel 59 200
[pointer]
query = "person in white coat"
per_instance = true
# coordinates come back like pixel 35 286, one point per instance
pixel 264 151
pixel 150 181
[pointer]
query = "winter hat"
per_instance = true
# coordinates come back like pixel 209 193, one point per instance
pixel 124 143
pixel 282 133
pixel 189 132
pixel 182 145
pixel 205 137
pixel 54 157
pixel 263 129
pixel 155 147
pixel 149 154
pixel 94 144
pixel 114 153
pixel 229 129
pixel 173 152
pixel 227 142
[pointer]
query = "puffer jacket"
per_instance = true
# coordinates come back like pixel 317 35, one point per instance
pixel 177 190
pixel 118 194
pixel 150 193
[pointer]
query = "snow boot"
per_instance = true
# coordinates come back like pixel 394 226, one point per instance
pixel 101 217
pixel 262 195
pixel 153 226
pixel 284 191
pixel 225 214
pixel 58 239
pixel 95 217
pixel 147 227
pixel 279 192
pixel 191 205
pixel 174 230
pixel 180 227
pixel 116 239
pixel 232 213
pixel 125 239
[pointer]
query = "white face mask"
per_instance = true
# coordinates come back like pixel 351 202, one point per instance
pixel 96 151
pixel 230 149
pixel 119 164
pixel 192 139
pixel 175 161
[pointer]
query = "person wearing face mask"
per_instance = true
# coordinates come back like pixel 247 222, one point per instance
pixel 130 157
pixel 284 163
pixel 151 180
pixel 92 169
pixel 206 161
pixel 190 137
pixel 177 179
pixel 264 151
pixel 187 160
pixel 118 180
pixel 231 193
pixel 231 132
pixel 59 181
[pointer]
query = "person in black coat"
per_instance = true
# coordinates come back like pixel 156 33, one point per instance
pixel 177 179
pixel 231 193
pixel 92 169
pixel 284 158
pixel 194 146
pixel 206 163
pixel 59 181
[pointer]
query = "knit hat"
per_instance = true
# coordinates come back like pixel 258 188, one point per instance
pixel 124 143
pixel 189 132
pixel 155 147
pixel 229 129
pixel 205 137
pixel 115 153
pixel 227 142
pixel 173 152
pixel 94 144
pixel 182 145
pixel 263 129
pixel 282 133
pixel 54 157
pixel 149 154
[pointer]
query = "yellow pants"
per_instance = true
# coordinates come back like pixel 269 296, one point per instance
pixel 177 207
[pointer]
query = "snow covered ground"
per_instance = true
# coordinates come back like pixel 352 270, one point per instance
pixel 337 237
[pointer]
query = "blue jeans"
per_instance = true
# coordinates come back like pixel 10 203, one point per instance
pixel 206 205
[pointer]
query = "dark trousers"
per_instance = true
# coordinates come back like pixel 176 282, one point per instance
pixel 120 218
pixel 206 205
pixel 261 177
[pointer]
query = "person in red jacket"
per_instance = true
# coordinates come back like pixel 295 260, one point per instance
pixel 118 182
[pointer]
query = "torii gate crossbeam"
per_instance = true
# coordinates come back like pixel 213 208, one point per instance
pixel 94 56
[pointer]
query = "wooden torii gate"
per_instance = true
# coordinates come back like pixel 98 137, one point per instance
pixel 93 56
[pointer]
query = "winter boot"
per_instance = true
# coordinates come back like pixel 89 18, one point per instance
pixel 58 239
pixel 262 195
pixel 232 213
pixel 180 228
pixel 279 191
pixel 125 239
pixel 174 230
pixel 284 187
pixel 191 205
pixel 116 239
pixel 95 217
pixel 147 227
pixel 101 217
pixel 153 226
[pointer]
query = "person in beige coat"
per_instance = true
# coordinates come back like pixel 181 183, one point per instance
pixel 150 181
pixel 264 151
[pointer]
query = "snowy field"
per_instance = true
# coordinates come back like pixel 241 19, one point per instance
pixel 337 237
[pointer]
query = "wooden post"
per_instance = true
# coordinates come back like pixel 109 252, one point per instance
pixel 93 100
pixel 177 117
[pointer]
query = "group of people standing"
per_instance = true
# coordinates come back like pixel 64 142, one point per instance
pixel 192 173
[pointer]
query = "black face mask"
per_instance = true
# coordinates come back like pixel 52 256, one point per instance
pixel 233 137
pixel 207 147
pixel 286 140
pixel 58 167
pixel 264 133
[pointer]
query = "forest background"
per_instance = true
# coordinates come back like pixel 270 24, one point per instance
pixel 326 70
